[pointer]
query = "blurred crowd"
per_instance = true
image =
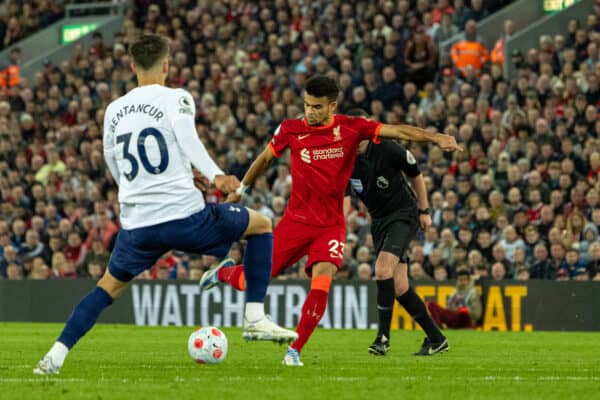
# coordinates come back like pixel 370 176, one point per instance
pixel 523 202
pixel 19 19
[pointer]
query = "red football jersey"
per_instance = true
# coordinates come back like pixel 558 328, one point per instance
pixel 322 159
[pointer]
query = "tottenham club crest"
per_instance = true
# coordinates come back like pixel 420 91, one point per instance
pixel 337 135
pixel 382 182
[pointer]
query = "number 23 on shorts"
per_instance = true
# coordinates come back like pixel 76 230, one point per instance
pixel 336 248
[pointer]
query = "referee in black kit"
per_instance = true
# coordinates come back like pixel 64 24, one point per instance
pixel 397 214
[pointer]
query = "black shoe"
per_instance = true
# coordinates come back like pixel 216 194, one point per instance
pixel 380 346
pixel 430 348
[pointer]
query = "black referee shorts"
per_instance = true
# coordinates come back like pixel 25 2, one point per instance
pixel 394 232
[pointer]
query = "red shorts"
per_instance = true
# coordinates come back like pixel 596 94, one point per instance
pixel 293 240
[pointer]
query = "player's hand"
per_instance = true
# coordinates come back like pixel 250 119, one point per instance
pixel 448 143
pixel 227 183
pixel 425 220
pixel 200 181
pixel 233 197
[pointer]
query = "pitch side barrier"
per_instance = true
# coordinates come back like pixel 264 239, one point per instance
pixel 508 306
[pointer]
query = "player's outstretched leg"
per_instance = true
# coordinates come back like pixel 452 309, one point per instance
pixel 210 278
pixel 235 277
pixel 257 269
pixel 81 320
pixel 435 342
pixel 312 310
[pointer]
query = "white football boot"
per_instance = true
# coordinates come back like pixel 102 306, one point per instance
pixel 266 329
pixel 46 367
pixel 292 358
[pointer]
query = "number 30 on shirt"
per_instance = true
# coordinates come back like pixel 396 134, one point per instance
pixel 141 148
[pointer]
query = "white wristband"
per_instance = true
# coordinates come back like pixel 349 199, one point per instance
pixel 241 190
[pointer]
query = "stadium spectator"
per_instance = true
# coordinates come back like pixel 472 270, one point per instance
pixel 195 270
pixel 562 275
pixel 463 309
pixel 445 31
pixel 441 8
pixel 511 242
pixel 365 273
pixel 522 273
pixel 572 263
pixel 39 270
pixel 417 273
pixel 497 53
pixel 9 257
pixel 498 271
pixel 420 57
pixel 469 52
pixel 461 12
pixel 14 272
pixel 477 11
pixel 440 273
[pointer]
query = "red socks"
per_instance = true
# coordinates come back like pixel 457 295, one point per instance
pixel 312 310
pixel 234 276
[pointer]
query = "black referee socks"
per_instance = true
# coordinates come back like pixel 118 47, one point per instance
pixel 416 308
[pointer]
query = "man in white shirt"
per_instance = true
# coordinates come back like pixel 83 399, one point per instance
pixel 150 145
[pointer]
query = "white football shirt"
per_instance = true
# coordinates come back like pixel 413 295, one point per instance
pixel 150 144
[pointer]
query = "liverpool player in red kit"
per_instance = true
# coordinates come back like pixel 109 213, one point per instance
pixel 323 149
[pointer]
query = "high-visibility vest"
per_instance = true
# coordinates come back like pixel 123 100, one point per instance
pixel 497 55
pixel 10 76
pixel 13 75
pixel 465 53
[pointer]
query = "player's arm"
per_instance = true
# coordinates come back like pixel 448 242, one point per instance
pixel 347 205
pixel 194 150
pixel 421 191
pixel 111 161
pixel 404 160
pixel 414 134
pixel 262 163
pixel 108 147
pixel 181 110
pixel 422 200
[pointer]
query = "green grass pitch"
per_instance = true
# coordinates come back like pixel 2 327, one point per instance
pixel 128 362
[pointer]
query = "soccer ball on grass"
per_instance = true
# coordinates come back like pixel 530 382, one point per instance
pixel 207 345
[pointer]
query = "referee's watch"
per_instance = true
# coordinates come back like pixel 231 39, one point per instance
pixel 424 211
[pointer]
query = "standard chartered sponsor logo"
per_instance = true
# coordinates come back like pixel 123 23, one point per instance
pixel 321 154
pixel 326 154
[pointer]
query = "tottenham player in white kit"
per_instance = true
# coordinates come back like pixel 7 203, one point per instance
pixel 150 145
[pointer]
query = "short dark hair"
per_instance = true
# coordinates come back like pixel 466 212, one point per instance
pixel 357 112
pixel 322 86
pixel 463 272
pixel 148 50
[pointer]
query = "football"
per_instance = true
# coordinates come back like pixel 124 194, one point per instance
pixel 207 345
